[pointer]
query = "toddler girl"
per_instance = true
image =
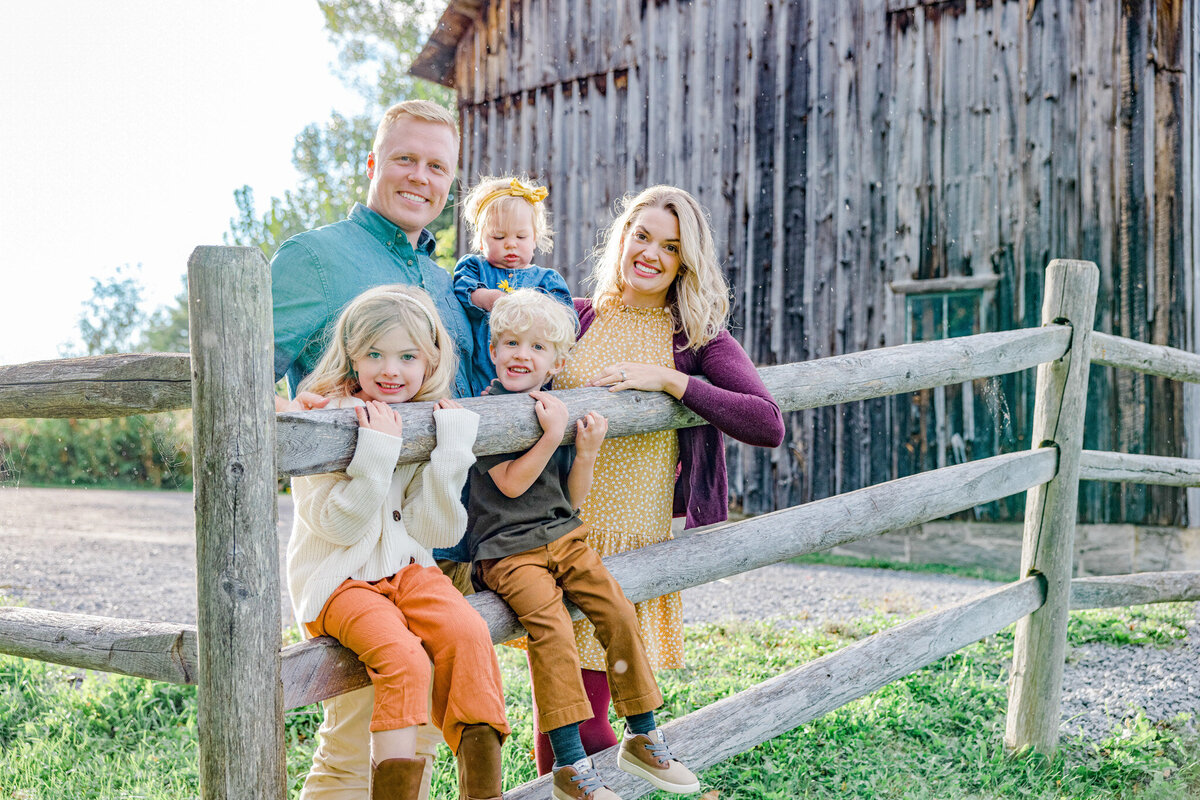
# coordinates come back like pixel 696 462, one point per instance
pixel 359 567
pixel 509 221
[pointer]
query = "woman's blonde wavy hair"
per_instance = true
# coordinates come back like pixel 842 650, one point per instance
pixel 367 318
pixel 699 297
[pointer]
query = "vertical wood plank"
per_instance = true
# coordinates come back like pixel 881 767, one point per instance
pixel 237 551
pixel 1039 649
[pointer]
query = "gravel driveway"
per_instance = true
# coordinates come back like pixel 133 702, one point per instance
pixel 132 554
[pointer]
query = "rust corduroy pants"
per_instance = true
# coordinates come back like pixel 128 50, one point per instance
pixel 396 626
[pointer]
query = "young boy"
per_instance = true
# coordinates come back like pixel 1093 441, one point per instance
pixel 529 546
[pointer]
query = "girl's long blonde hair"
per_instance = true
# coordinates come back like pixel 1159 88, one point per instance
pixel 699 297
pixel 367 318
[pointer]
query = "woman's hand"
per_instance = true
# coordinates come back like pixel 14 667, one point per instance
pixel 379 416
pixel 646 377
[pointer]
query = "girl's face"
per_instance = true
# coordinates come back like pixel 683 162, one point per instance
pixel 392 370
pixel 650 258
pixel 509 237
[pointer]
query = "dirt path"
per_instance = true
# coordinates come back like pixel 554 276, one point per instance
pixel 114 553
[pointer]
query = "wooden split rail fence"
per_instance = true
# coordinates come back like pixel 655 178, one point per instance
pixel 246 681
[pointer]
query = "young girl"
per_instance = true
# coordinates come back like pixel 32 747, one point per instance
pixel 509 221
pixel 358 563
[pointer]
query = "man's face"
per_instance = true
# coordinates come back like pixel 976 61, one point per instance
pixel 411 173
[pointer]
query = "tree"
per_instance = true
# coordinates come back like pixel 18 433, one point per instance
pixel 112 317
pixel 377 40
pixel 166 329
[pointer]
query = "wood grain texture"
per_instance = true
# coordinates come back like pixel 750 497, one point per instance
pixel 322 441
pixel 1039 650
pixel 844 149
pixel 1152 359
pixel 96 386
pixel 750 717
pixel 1113 591
pixel 155 650
pixel 1127 467
pixel 237 548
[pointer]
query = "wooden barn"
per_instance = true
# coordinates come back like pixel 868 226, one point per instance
pixel 878 172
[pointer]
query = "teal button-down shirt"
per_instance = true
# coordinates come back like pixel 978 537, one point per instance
pixel 316 273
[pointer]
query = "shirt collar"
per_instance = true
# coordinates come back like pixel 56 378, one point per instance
pixel 386 231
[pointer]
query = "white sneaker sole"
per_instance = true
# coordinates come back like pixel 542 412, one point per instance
pixel 631 765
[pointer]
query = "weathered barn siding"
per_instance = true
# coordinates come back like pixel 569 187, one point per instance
pixel 845 151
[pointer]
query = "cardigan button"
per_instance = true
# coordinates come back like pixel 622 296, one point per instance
pixel 396 516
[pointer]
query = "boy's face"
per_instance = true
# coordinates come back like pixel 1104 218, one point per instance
pixel 525 361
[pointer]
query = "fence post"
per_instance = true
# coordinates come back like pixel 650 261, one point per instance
pixel 237 550
pixel 1060 402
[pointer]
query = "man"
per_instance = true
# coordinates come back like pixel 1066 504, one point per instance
pixel 313 275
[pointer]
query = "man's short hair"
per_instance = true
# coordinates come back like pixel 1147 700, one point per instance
pixel 417 109
pixel 529 309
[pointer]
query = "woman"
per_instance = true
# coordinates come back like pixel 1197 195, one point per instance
pixel 656 321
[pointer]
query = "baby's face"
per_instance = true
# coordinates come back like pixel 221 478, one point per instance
pixel 509 238
pixel 525 362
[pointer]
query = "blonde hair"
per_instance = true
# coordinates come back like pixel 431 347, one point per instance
pixel 369 317
pixel 699 297
pixel 528 309
pixel 493 201
pixel 417 109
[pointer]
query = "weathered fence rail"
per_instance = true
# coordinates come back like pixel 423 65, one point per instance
pixel 235 641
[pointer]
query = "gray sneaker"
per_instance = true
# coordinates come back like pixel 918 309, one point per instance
pixel 647 756
pixel 580 781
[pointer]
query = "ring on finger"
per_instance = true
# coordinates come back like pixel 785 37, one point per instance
pixel 623 376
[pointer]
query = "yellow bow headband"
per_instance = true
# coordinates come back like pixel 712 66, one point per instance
pixel 514 189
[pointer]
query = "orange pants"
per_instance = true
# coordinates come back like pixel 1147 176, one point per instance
pixel 398 625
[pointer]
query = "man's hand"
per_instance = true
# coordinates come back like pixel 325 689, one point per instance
pixel 305 401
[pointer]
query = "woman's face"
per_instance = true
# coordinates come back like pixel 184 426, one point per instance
pixel 650 258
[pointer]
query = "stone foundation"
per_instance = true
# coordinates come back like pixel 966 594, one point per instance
pixel 1099 549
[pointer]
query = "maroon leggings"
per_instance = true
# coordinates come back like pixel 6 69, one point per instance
pixel 597 734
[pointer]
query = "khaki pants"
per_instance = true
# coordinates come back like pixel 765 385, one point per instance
pixel 533 584
pixel 341 766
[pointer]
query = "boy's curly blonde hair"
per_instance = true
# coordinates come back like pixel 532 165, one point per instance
pixel 528 309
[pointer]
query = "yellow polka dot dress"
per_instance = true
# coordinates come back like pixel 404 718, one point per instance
pixel 629 504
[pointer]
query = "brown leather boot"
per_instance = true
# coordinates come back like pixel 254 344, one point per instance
pixel 479 764
pixel 397 779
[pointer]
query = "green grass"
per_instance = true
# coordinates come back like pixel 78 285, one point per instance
pixel 935 734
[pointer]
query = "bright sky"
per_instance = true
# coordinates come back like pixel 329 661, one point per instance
pixel 125 126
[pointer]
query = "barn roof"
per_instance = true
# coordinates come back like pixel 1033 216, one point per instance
pixel 436 60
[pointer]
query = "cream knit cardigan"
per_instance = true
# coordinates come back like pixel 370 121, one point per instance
pixel 346 526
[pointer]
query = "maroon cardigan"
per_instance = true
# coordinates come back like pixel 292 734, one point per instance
pixel 733 401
